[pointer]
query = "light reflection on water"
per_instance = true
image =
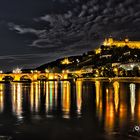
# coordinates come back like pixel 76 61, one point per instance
pixel 1 97
pixel 104 107
pixel 65 98
pixel 132 98
pixel 79 96
pixel 17 100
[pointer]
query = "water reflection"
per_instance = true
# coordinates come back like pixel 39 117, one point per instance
pixel 110 110
pixel 1 97
pixel 79 96
pixel 113 102
pixel 110 106
pixel 132 98
pixel 34 96
pixel 51 95
pixel 65 98
pixel 17 100
pixel 99 99
pixel 116 95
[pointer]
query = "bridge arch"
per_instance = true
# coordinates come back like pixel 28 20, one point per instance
pixel 58 76
pixel 8 78
pixel 25 77
pixel 42 77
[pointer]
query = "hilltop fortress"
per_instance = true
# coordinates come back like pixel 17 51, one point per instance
pixel 131 44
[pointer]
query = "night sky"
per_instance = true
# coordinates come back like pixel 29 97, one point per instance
pixel 34 32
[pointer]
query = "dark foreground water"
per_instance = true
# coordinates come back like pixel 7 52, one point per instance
pixel 69 110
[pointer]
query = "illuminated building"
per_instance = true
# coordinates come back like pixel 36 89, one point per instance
pixel 98 51
pixel 129 66
pixel 65 61
pixel 131 44
pixel 17 70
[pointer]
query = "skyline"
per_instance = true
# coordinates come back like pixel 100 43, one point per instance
pixel 48 30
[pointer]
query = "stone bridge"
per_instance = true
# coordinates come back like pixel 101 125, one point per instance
pixel 33 76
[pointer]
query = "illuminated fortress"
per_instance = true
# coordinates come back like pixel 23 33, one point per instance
pixel 126 42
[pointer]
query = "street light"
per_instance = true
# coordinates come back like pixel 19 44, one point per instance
pixel 32 71
pixel 46 70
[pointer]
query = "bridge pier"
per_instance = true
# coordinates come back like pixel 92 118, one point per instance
pixel 16 78
pixel 64 76
pixel 34 77
pixel 51 76
pixel 1 78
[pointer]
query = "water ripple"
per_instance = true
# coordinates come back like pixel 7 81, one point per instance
pixel 5 137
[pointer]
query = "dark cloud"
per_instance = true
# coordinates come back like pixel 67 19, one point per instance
pixel 78 22
pixel 71 27
pixel 26 60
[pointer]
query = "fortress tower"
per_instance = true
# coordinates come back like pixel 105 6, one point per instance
pixel 131 44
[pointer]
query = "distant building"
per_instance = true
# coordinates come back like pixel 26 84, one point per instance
pixel 127 53
pixel 87 69
pixel 115 64
pixel 126 42
pixel 129 66
pixel 66 61
pixel 106 56
pixel 98 51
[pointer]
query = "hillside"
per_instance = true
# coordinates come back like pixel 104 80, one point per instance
pixel 103 56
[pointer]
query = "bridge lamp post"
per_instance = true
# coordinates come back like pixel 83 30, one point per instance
pixel 36 71
pixel 67 71
pixel 63 71
pixel 46 70
pixel 32 71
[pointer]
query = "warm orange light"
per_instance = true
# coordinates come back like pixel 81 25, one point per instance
pixel 98 51
pixel 79 96
pixel 17 100
pixel 66 98
pixel 112 42
pixel 66 61
pixel 1 98
pixel 116 94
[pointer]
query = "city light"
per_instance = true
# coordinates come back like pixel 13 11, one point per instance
pixel 17 70
pixel 32 71
pixel 65 61
pixel 1 71
pixel 98 66
pixel 111 42
pixel 98 51
pixel 46 70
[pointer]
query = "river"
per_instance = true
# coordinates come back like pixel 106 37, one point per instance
pixel 81 110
